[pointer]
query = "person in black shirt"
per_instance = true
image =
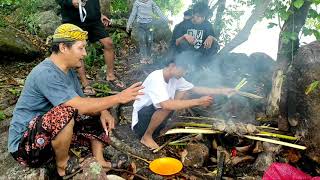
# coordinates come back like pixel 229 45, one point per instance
pixel 86 14
pixel 195 34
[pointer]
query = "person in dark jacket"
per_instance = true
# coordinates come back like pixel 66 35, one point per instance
pixel 86 14
pixel 195 34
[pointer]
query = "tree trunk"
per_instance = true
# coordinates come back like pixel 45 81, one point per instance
pixel 217 26
pixel 243 35
pixel 277 104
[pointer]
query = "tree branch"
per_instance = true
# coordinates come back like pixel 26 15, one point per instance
pixel 293 25
pixel 217 26
pixel 243 35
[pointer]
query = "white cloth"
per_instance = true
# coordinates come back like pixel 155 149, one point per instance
pixel 156 90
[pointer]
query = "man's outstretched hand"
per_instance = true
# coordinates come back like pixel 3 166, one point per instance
pixel 130 93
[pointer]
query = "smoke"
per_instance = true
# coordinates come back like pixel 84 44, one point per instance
pixel 228 71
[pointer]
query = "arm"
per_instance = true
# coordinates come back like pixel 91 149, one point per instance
pixel 132 15
pixel 212 91
pixel 189 38
pixel 96 105
pixel 156 8
pixel 179 104
pixel 91 106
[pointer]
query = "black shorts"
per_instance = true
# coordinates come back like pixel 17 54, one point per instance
pixel 144 116
pixel 96 31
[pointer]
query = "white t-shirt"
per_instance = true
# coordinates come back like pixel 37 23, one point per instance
pixel 156 90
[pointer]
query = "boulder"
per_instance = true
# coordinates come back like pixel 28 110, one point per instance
pixel 300 108
pixel 46 22
pixel 161 30
pixel 14 43
pixel 47 5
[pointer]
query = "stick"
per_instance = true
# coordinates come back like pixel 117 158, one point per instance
pixel 162 146
pixel 140 158
pixel 192 131
pixel 201 118
pixel 276 142
pixel 194 125
pixel 281 136
pixel 268 127
pixel 177 144
pixel 134 174
pixel 241 84
pixel 249 95
pixel 183 139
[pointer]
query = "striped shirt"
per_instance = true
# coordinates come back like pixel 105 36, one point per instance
pixel 143 10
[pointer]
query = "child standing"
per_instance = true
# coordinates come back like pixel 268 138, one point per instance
pixel 142 11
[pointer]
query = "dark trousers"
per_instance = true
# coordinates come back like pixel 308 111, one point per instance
pixel 185 46
pixel 145 37
pixel 144 116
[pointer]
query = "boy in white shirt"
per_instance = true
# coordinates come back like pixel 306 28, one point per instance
pixel 164 92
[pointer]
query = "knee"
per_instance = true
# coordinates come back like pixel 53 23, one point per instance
pixel 107 44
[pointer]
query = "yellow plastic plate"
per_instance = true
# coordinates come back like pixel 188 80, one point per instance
pixel 166 166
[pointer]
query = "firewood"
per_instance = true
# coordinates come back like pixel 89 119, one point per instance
pixel 276 142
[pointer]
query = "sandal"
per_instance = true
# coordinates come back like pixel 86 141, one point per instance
pixel 89 91
pixel 73 167
pixel 121 162
pixel 117 84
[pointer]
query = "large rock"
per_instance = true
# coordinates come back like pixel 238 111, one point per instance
pixel 46 22
pixel 303 110
pixel 161 32
pixel 14 43
pixel 47 5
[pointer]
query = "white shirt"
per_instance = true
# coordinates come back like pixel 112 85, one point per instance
pixel 156 90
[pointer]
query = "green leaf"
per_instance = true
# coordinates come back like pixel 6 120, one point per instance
pixel 316 2
pixel 2 116
pixel 316 33
pixel 312 87
pixel 298 3
pixel 307 31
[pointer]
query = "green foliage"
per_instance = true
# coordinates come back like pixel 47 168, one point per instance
pixel 298 3
pixel 2 116
pixel 15 91
pixel 119 7
pixel 102 89
pixel 118 37
pixel 289 36
pixel 94 55
pixel 172 6
pixel 4 3
pixel 22 12
pixel 281 9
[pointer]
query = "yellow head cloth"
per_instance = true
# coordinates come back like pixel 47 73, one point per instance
pixel 69 32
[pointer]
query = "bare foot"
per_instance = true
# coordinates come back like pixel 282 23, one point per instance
pixel 105 164
pixel 110 77
pixel 149 142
